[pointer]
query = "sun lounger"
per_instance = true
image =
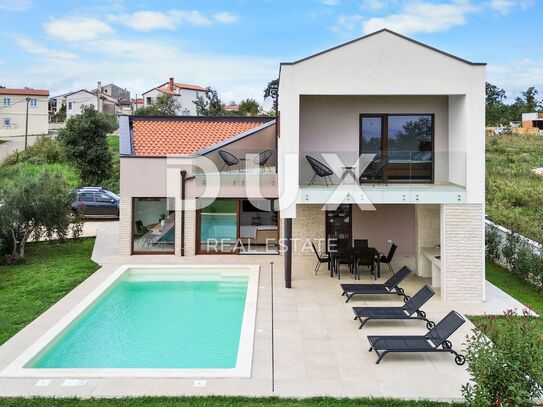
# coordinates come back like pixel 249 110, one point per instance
pixel 436 340
pixel 410 310
pixel 389 287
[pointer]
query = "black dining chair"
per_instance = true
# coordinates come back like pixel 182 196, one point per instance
pixel 388 258
pixel 320 169
pixel 321 258
pixel 262 159
pixel 366 259
pixel 360 243
pixel 230 160
pixel 375 170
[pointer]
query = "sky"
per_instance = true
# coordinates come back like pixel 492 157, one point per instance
pixel 236 46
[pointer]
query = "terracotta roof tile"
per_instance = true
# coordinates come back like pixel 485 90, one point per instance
pixel 32 92
pixel 185 135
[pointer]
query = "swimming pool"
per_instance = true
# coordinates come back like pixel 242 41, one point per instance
pixel 154 321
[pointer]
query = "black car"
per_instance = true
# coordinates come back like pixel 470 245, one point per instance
pixel 96 202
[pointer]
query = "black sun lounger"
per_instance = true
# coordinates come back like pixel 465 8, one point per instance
pixel 389 287
pixel 436 340
pixel 410 310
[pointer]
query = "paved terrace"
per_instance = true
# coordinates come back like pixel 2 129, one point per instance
pixel 318 348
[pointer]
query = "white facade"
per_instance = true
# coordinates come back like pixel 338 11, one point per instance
pixel 13 112
pixel 321 101
pixel 184 95
pixel 75 102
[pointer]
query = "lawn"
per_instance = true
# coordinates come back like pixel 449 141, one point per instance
pixel 514 196
pixel 513 285
pixel 215 402
pixel 2 141
pixel 48 272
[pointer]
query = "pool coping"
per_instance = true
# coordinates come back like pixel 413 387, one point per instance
pixel 243 367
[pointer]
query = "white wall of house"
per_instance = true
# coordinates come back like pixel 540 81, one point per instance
pixel 76 101
pixel 13 115
pixel 185 100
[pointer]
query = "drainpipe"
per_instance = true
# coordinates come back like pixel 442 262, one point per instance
pixel 184 179
pixel 288 254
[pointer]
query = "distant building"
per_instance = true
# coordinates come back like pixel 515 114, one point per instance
pixel 13 103
pixel 231 108
pixel 532 120
pixel 116 92
pixel 184 94
pixel 76 100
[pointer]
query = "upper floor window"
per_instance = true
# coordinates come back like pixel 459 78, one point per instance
pixel 7 101
pixel 69 105
pixel 33 102
pixel 6 122
pixel 149 100
pixel 402 146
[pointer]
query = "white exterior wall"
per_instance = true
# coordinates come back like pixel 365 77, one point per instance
pixel 38 117
pixel 185 100
pixel 78 100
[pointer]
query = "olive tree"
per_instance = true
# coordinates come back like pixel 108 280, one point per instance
pixel 37 206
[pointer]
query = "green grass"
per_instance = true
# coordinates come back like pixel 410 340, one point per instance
pixel 11 172
pixel 48 272
pixel 519 289
pixel 216 402
pixel 514 196
pixel 2 141
pixel 113 182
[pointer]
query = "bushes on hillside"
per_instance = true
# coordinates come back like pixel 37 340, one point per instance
pixel 84 143
pixel 46 150
pixel 505 362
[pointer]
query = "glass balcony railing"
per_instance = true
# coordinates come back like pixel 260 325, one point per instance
pixel 318 168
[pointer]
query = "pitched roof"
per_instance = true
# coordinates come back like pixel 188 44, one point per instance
pixel 26 91
pixel 159 136
pixel 165 88
pixel 385 30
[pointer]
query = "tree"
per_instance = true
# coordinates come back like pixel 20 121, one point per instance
pixel 494 95
pixel 532 104
pixel 272 91
pixel 165 105
pixel 84 142
pixel 497 112
pixel 211 105
pixel 37 206
pixel 248 107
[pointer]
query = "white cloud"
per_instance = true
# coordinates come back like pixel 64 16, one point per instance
pixel 423 17
pixel 15 5
pixel 170 20
pixel 506 6
pixel 347 24
pixel 330 2
pixel 37 49
pixel 225 17
pixel 77 28
pixel 2 61
pixel 376 5
pixel 135 65
pixel 516 76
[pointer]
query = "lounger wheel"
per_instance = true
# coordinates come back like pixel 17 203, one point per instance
pixel 400 291
pixel 446 345
pixel 460 360
pixel 406 298
pixel 430 324
pixel 421 314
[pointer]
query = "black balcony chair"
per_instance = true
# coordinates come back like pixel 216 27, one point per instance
pixel 391 286
pixel 321 258
pixel 141 229
pixel 388 258
pixel 342 256
pixel 364 258
pixel 436 340
pixel 374 171
pixel 410 310
pixel 262 159
pixel 230 160
pixel 320 169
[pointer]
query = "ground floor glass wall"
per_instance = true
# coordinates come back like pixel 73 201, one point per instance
pixel 153 225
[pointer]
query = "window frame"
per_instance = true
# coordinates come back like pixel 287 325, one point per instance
pixel 33 102
pixel 384 142
pixel 132 227
pixel 7 102
pixel 6 122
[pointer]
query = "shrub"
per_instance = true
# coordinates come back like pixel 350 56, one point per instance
pixel 85 145
pixel 510 250
pixel 493 242
pixel 46 150
pixel 505 362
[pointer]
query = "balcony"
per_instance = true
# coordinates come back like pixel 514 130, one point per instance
pixel 398 177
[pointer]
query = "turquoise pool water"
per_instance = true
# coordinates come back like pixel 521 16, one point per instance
pixel 156 319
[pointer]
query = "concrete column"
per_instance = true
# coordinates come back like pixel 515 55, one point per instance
pixel 462 242
pixel 125 227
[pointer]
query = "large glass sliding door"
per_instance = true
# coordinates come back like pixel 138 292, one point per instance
pixel 153 226
pixel 218 227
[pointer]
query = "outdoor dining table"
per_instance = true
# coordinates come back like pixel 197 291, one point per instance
pixel 354 254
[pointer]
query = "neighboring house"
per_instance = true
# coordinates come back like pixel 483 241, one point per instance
pixel 56 103
pixel 115 92
pixel 399 123
pixel 184 94
pixel 136 104
pixel 532 120
pixel 231 108
pixel 13 108
pixel 76 100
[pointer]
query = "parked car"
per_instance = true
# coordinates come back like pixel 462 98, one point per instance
pixel 502 130
pixel 96 202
